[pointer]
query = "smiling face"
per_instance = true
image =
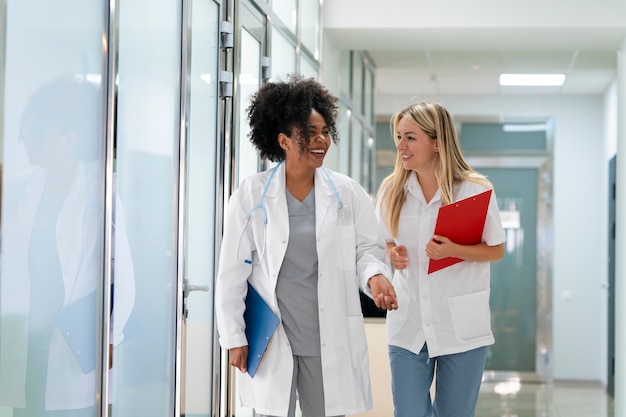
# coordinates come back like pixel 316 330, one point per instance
pixel 417 150
pixel 311 150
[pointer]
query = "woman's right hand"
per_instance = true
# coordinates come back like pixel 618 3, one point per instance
pixel 239 358
pixel 397 256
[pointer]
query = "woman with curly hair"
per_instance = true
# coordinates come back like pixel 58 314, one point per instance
pixel 306 239
pixel 443 321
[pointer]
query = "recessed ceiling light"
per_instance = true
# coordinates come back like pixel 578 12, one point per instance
pixel 524 127
pixel 532 79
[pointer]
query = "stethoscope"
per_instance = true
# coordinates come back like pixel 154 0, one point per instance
pixel 343 211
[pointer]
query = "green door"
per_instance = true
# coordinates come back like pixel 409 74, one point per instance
pixel 513 279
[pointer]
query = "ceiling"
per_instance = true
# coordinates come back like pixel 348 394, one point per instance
pixel 434 62
pixel 436 72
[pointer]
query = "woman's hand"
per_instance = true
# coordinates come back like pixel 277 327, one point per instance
pixel 397 256
pixel 383 292
pixel 239 358
pixel 440 247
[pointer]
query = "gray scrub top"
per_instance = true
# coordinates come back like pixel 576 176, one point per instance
pixel 296 288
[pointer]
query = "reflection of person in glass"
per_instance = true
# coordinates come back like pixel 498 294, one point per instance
pixel 52 256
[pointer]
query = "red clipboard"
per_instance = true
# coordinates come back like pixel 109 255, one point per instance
pixel 462 222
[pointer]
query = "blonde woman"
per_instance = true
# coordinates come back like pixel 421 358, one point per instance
pixel 443 319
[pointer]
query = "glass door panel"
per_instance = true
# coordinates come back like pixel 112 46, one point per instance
pixel 310 26
pixel 356 151
pixel 52 205
pixel 514 278
pixel 250 53
pixel 283 56
pixel 252 30
pixel 286 11
pixel 147 142
pixel 200 229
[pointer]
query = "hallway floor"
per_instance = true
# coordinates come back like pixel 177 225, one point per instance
pixel 511 399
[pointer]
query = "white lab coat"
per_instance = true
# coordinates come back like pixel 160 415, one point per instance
pixel 78 235
pixel 349 253
pixel 447 309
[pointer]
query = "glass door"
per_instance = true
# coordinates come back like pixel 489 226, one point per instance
pixel 202 144
pixel 249 61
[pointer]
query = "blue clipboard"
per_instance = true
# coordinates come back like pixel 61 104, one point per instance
pixel 261 323
pixel 76 322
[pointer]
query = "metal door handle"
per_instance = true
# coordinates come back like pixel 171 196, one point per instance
pixel 187 288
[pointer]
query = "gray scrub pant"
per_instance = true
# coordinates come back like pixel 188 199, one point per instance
pixel 459 377
pixel 307 380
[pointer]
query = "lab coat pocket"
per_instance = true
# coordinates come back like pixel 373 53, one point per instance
pixel 345 236
pixel 358 341
pixel 471 316
pixel 352 294
pixel 398 323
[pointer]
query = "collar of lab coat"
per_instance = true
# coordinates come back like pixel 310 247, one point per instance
pixel 275 198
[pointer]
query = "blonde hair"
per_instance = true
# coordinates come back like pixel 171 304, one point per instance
pixel 451 168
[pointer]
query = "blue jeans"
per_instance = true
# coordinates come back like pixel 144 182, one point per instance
pixel 457 385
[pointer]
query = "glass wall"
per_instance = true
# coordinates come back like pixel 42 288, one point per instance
pixel 53 208
pixel 90 134
pixel 96 114
pixel 147 140
pixel 356 119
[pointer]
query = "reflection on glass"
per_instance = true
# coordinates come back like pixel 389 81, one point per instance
pixel 286 12
pixel 511 222
pixel 307 68
pixel 368 95
pixel 200 194
pixel 249 82
pixel 283 56
pixel 52 255
pixel 343 127
pixel 343 75
pixel 357 82
pixel 147 137
pixel 356 152
pixel 309 26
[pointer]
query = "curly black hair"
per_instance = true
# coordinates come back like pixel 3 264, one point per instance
pixel 285 107
pixel 70 105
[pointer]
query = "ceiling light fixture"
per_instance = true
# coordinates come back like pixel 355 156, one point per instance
pixel 525 127
pixel 532 79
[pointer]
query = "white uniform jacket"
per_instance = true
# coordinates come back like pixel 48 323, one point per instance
pixel 448 309
pixel 349 253
pixel 79 243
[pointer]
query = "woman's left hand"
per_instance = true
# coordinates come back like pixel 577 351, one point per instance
pixel 383 292
pixel 440 247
